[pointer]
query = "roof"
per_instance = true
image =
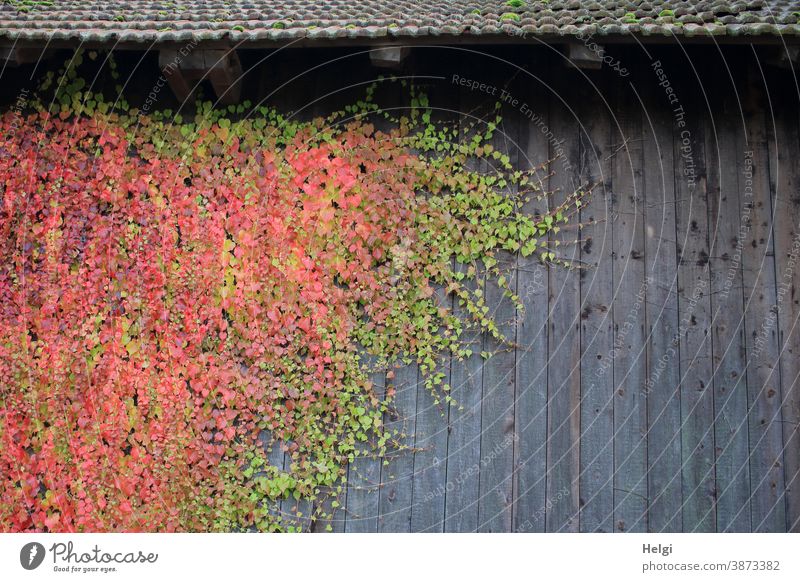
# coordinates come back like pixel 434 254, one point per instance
pixel 148 21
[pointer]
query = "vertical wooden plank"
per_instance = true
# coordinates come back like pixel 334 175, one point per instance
pixel 724 165
pixel 364 476
pixel 397 473
pixel 479 478
pixel 296 512
pixel 382 490
pixel 630 289
pixel 663 371
pixel 466 379
pixel 497 415
pixel 530 411
pixel 597 289
pixel 430 456
pixel 763 373
pixel 277 457
pixel 785 176
pixel 564 378
pixel 427 511
pixel 697 404
pixel 464 434
pixel 327 517
pixel 497 408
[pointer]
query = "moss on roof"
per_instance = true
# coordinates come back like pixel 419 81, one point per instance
pixel 255 20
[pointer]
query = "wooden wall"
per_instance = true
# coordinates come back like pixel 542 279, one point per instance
pixel 657 389
pixel 654 390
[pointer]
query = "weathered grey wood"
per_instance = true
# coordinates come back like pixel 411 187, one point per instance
pixel 692 442
pixel 497 409
pixel 722 374
pixel 630 289
pixel 463 467
pixel 430 459
pixel 723 162
pixel 663 371
pixel 697 405
pixel 398 470
pixel 463 493
pixel 284 509
pixel 564 379
pixel 763 373
pixel 530 410
pixel 297 512
pixel 597 288
pixel 464 433
pixel 364 478
pixel 364 494
pixel 785 177
pixel 497 416
pixel 395 494
pixel 276 457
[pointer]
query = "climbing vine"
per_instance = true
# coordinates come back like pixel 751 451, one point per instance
pixel 182 298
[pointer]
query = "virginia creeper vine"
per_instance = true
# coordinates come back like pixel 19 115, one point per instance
pixel 179 295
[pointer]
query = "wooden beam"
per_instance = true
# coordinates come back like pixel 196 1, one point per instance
pixel 225 74
pixel 581 57
pixel 388 57
pixel 785 57
pixel 16 56
pixel 184 69
pixel 168 62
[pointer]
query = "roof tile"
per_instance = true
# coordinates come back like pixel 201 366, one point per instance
pixel 149 21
